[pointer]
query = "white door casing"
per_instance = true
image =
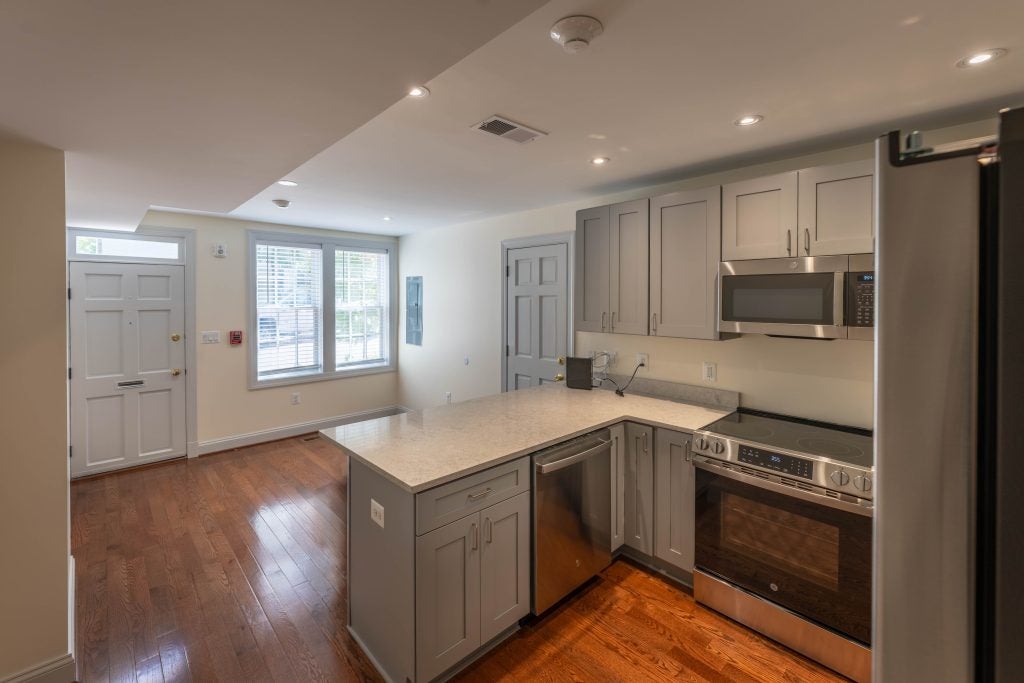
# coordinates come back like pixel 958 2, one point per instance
pixel 537 299
pixel 127 353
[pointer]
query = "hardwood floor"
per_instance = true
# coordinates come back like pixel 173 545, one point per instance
pixel 231 567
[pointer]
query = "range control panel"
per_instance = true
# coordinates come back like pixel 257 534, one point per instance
pixel 786 464
pixel 860 299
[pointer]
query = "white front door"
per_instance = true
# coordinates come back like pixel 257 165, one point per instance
pixel 127 365
pixel 537 305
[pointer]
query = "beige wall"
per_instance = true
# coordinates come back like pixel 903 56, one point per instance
pixel 226 406
pixel 460 266
pixel 33 409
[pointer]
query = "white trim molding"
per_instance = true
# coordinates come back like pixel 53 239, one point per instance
pixel 253 438
pixel 58 670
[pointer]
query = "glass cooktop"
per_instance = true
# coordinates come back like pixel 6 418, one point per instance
pixel 845 444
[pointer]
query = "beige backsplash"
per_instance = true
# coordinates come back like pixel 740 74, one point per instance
pixel 822 380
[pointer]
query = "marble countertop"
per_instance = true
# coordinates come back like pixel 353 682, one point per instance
pixel 426 448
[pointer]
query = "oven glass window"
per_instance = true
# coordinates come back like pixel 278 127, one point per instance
pixel 810 558
pixel 801 299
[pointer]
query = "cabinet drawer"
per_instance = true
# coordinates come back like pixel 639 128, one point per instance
pixel 452 501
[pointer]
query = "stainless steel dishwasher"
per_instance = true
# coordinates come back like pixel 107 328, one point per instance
pixel 571 516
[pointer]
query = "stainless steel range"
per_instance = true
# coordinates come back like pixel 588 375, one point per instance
pixel 783 532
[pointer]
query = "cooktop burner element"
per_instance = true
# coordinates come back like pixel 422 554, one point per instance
pixel 794 451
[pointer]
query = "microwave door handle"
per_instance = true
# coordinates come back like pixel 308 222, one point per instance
pixel 838 298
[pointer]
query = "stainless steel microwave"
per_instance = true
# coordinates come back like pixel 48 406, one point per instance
pixel 821 297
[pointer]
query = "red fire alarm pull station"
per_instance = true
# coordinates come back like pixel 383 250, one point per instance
pixel 235 337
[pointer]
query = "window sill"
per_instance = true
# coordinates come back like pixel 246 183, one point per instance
pixel 358 371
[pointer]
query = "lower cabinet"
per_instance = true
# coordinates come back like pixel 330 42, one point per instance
pixel 472 582
pixel 673 499
pixel 639 488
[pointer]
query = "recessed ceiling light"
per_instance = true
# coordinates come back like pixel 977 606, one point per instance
pixel 982 57
pixel 287 183
pixel 281 203
pixel 749 120
pixel 418 91
pixel 600 161
pixel 387 218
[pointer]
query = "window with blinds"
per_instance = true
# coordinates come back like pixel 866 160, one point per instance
pixel 321 310
pixel 289 310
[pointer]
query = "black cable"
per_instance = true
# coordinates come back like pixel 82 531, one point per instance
pixel 622 391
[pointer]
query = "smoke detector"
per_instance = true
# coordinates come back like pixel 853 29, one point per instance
pixel 281 203
pixel 575 33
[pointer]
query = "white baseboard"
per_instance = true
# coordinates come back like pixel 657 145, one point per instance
pixel 59 670
pixel 253 438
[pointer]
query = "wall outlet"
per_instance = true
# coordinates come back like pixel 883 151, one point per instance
pixel 210 337
pixel 377 513
pixel 296 398
pixel 709 372
pixel 643 358
pixel 447 397
pixel 219 250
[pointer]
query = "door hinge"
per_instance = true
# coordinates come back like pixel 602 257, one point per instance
pixel 71 450
pixel 69 373
pixel 508 271
pixel 507 351
pixel 69 294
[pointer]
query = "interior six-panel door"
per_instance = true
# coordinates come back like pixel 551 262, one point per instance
pixel 127 353
pixel 537 308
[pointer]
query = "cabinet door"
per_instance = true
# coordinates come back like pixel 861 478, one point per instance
pixel 504 565
pixel 630 267
pixel 674 499
pixel 837 209
pixel 759 218
pixel 593 259
pixel 686 230
pixel 447 596
pixel 639 485
pixel 618 460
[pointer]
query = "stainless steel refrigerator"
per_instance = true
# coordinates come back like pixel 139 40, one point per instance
pixel 949 410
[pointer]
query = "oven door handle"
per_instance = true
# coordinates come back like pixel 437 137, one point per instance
pixel 785 490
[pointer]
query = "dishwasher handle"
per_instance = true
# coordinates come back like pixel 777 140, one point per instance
pixel 602 446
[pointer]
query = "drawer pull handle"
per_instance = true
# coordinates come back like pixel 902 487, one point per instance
pixel 478 496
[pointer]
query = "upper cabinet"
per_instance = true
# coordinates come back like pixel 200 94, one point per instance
pixel 629 266
pixel 836 213
pixel 685 251
pixel 593 271
pixel 759 217
pixel 821 211
pixel 612 269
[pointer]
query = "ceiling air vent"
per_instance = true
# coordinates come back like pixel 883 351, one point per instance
pixel 510 130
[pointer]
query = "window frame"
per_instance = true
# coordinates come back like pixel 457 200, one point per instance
pixel 327 246
pixel 138 235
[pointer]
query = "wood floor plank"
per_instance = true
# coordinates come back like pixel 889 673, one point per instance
pixel 232 567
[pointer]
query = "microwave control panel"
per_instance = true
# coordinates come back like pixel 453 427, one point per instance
pixel 860 299
pixel 786 464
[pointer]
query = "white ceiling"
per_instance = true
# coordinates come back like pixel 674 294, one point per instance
pixel 662 87
pixel 200 104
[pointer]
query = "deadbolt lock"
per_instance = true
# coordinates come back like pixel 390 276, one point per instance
pixel 175 337
pixel 561 360
pixel 175 372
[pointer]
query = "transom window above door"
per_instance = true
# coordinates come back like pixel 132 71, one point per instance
pixel 320 309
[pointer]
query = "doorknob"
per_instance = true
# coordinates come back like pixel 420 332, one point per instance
pixel 559 377
pixel 175 372
pixel 175 337
pixel 561 360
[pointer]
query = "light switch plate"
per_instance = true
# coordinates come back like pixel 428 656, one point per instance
pixel 211 337
pixel 709 372
pixel 377 513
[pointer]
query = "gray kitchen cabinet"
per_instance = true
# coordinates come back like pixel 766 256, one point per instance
pixel 504 565
pixel 447 596
pixel 837 209
pixel 685 251
pixel 674 499
pixel 638 497
pixel 759 217
pixel 618 479
pixel 593 272
pixel 629 298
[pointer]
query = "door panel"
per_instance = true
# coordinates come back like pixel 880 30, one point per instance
pixel 639 488
pixel 447 596
pixel 674 495
pixel 538 322
pixel 629 267
pixel 593 254
pixel 504 565
pixel 127 405
pixel 759 217
pixel 837 209
pixel 685 251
